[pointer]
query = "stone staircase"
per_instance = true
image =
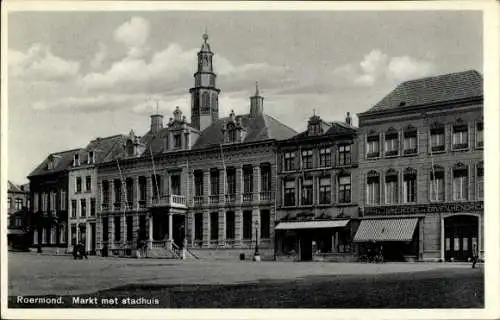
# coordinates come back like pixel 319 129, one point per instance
pixel 169 250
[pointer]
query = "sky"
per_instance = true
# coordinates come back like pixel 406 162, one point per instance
pixel 75 76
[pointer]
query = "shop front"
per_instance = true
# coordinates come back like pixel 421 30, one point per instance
pixel 393 239
pixel 316 240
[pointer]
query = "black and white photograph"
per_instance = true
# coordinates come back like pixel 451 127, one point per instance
pixel 220 156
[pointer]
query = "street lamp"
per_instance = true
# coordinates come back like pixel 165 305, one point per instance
pixel 256 254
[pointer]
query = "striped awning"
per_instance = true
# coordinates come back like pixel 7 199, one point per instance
pixel 400 229
pixel 311 224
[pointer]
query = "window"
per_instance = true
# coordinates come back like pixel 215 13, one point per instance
pixel 344 188
pixel 230 225
pixel 105 193
pixel 177 141
pixel 19 204
pixel 480 181
pixel 437 184
pixel 175 183
pixel 73 208
pixel 198 183
pixel 479 135
pixel 129 182
pixel 76 160
pixel 460 183
pixel 391 187
pixel 205 98
pixel 265 224
pixel 117 228
pixel 88 183
pixel 214 226
pixel 460 137
pixel 90 158
pixel 78 184
pixel 265 178
pixel 214 182
pixel 232 135
pixel 118 191
pixel 247 179
pixel 290 193
pixel 247 225
pixel 307 159
pixel 53 202
pixel 130 147
pixel 157 186
pixel 142 188
pixel 10 203
pixel 372 146
pixel 410 186
pixel 45 200
pixel 325 157
pixel 391 143
pixel 325 190
pixel 344 154
pixel 36 200
pixel 373 188
pixel 289 161
pixel 437 138
pixel 198 226
pixel 105 229
pixel 231 181
pixel 130 228
pixel 307 192
pixel 83 207
pixel 410 141
pixel 92 207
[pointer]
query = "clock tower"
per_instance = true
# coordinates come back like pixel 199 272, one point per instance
pixel 204 94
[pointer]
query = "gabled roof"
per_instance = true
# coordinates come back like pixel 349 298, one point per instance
pixel 17 188
pixel 258 128
pixel 430 90
pixel 108 148
pixel 62 161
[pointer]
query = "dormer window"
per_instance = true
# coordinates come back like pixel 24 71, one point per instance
pixel 90 158
pixel 177 141
pixel 76 160
pixel 129 148
pixel 314 126
pixel 232 135
pixel 233 130
pixel 50 164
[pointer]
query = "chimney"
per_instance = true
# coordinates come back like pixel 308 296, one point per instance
pixel 256 103
pixel 348 119
pixel 156 123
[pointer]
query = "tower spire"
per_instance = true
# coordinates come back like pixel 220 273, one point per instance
pixel 256 88
pixel 205 35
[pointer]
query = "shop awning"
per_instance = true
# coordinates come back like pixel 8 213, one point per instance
pixel 311 224
pixel 400 229
pixel 15 231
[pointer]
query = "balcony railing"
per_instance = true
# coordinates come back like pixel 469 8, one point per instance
pixel 214 198
pixel 410 151
pixel 105 206
pixel 117 205
pixel 266 196
pixel 230 198
pixel 247 197
pixel 460 146
pixel 437 148
pixel 198 200
pixel 170 200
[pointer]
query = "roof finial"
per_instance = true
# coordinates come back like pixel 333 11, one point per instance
pixel 256 88
pixel 205 35
pixel 157 106
pixel 314 112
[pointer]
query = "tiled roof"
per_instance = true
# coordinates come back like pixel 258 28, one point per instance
pixel 442 88
pixel 62 161
pixel 258 128
pixel 332 128
pixel 16 188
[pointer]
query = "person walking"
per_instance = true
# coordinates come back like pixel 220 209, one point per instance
pixel 475 255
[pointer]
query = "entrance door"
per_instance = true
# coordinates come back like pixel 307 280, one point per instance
pixel 305 243
pixel 178 229
pixel 93 238
pixel 461 232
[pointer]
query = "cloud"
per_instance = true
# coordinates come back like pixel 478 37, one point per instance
pixel 99 57
pixel 134 34
pixel 94 103
pixel 39 64
pixel 377 66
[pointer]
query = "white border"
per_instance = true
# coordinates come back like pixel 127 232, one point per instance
pixel 491 70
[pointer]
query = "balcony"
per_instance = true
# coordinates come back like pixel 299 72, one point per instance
pixel 171 200
pixel 230 198
pixel 247 197
pixel 266 196
pixel 198 200
pixel 410 151
pixel 438 148
pixel 213 199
